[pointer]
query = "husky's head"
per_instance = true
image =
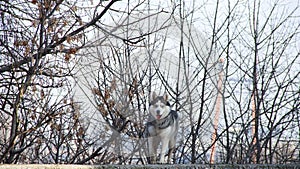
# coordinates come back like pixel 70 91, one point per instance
pixel 159 106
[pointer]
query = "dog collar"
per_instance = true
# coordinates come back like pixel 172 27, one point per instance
pixel 165 122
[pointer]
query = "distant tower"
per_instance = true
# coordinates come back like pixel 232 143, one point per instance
pixel 217 111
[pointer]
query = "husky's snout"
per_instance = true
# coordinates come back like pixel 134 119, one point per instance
pixel 159 111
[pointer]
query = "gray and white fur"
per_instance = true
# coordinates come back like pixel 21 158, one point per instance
pixel 162 126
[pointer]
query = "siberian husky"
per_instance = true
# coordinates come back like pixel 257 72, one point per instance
pixel 162 126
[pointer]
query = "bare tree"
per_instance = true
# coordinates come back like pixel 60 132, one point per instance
pixel 76 78
pixel 191 80
pixel 38 114
pixel 262 93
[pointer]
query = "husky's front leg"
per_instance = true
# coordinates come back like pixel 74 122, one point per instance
pixel 152 143
pixel 164 147
pixel 171 148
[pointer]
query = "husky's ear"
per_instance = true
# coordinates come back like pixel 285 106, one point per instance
pixel 154 95
pixel 165 96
